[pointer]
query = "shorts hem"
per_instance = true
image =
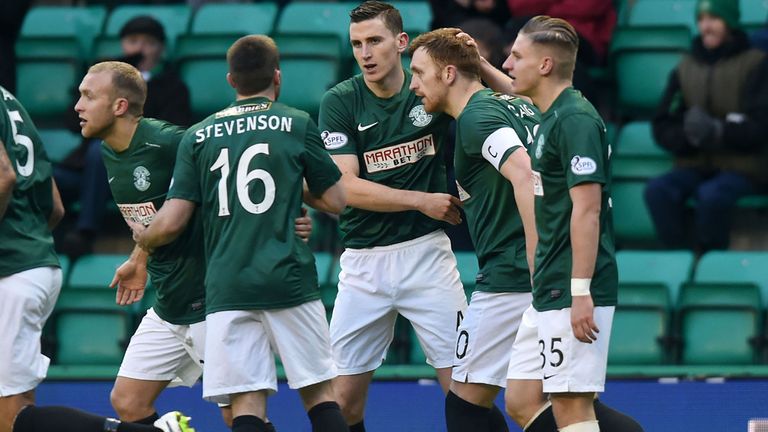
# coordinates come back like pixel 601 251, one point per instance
pixel 13 391
pixel 524 376
pixel 221 395
pixel 566 389
pixel 441 365
pixel 357 370
pixel 174 380
pixel 472 379
pixel 311 381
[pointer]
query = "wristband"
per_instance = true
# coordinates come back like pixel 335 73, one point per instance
pixel 579 286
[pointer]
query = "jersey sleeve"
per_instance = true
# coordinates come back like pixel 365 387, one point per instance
pixel 337 125
pixel 486 132
pixel 185 183
pixel 582 150
pixel 319 169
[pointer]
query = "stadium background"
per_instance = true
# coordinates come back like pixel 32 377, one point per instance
pixel 683 317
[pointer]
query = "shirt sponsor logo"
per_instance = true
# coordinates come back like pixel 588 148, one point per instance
pixel 399 155
pixel 142 213
pixel 538 186
pixel 243 109
pixel 463 195
pixel 334 140
pixel 141 178
pixel 419 116
pixel 582 165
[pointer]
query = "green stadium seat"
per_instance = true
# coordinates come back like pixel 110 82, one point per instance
pixel 640 325
pixel 59 143
pixel 734 267
pixel 720 323
pixel 670 268
pixel 65 267
pixel 468 267
pixel 642 59
pixel 417 16
pixel 754 13
pixel 663 13
pixel 636 155
pixel 300 92
pixel 46 88
pixel 88 337
pixel 174 18
pixel 232 18
pixel 206 78
pixel 632 222
pixel 60 31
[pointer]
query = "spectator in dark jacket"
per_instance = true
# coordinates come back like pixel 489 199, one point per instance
pixel 82 176
pixel 714 119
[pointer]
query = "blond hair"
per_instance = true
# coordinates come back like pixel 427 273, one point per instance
pixel 559 35
pixel 127 83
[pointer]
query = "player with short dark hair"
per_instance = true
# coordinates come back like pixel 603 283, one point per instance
pixel 397 259
pixel 493 175
pixel 244 167
pixel 30 280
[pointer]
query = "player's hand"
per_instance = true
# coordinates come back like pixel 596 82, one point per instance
pixel 582 319
pixel 130 279
pixel 442 207
pixel 304 225
pixel 137 230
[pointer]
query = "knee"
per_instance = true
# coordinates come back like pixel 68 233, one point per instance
pixel 521 409
pixel 129 406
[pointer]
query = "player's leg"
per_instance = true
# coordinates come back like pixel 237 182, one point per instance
pixel 230 337
pixel 26 301
pixel 134 400
pixel 362 327
pixel 63 419
pixel 300 336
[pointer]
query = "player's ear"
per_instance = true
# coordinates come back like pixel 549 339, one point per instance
pixel 402 42
pixel 120 106
pixel 231 81
pixel 546 66
pixel 277 81
pixel 449 74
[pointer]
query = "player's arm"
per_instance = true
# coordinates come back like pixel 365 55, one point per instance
pixel 166 226
pixel 7 180
pixel 131 278
pixel 332 200
pixel 368 195
pixel 57 212
pixel 517 169
pixel 585 235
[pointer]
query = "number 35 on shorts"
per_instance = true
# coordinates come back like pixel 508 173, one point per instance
pixel 550 351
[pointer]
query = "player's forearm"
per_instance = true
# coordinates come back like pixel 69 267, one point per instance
pixel 139 256
pixel 167 225
pixel 494 78
pixel 585 236
pixel 368 195
pixel 333 200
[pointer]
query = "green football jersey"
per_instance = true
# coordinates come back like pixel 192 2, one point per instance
pixel 490 128
pixel 397 144
pixel 570 149
pixel 25 240
pixel 246 165
pixel 139 178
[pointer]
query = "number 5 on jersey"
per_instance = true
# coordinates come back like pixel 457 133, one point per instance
pixel 242 178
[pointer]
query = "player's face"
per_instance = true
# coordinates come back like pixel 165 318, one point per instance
pixel 376 49
pixel 522 66
pixel 150 48
pixel 713 30
pixel 95 106
pixel 427 82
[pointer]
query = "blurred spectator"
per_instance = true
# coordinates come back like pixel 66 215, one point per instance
pixel 12 14
pixel 81 176
pixel 451 13
pixel 593 20
pixel 760 38
pixel 714 119
pixel 489 38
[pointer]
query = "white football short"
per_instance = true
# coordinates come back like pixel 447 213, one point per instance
pixel 240 345
pixel 418 279
pixel 27 299
pixel 486 335
pixel 546 349
pixel 161 351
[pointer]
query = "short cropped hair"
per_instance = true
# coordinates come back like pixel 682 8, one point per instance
pixel 446 48
pixel 127 83
pixel 252 63
pixel 558 34
pixel 377 9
